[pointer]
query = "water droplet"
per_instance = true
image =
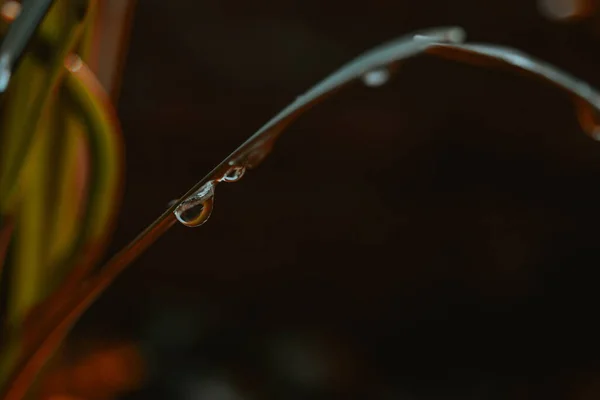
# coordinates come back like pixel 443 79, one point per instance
pixel 376 77
pixel 196 209
pixel 234 174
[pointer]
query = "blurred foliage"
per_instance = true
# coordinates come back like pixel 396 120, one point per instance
pixel 60 180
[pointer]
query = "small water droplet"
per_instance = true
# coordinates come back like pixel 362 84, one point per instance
pixel 234 174
pixel 376 77
pixel 196 209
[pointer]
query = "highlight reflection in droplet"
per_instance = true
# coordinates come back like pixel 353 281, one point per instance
pixel 234 174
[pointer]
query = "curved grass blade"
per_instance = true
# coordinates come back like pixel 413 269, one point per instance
pixel 27 115
pixel 68 187
pixel 93 107
pixel 382 56
pixel 29 268
pixel 506 57
pixel 103 136
pixel 26 264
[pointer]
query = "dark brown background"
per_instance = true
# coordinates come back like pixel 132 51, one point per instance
pixel 434 238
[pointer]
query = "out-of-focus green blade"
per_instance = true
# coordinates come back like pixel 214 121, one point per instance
pixel 92 108
pixel 28 165
pixel 70 185
pixel 104 137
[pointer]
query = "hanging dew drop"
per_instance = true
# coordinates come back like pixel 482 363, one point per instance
pixel 196 209
pixel 377 77
pixel 196 214
pixel 234 174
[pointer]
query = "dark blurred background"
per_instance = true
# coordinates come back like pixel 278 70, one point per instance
pixel 434 238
